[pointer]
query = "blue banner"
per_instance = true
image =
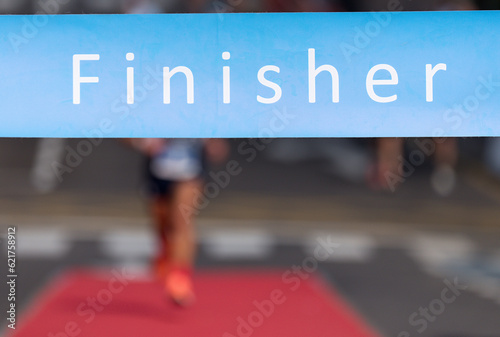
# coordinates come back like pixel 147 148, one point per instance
pixel 380 74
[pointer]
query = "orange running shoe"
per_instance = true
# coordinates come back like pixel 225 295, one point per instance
pixel 179 287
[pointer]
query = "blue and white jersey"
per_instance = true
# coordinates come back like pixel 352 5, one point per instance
pixel 179 160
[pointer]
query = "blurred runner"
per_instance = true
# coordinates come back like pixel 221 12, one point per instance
pixel 174 170
pixel 174 173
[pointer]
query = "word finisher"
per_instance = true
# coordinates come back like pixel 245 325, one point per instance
pixel 313 71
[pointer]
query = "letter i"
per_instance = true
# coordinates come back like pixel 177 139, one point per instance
pixel 130 80
pixel 226 79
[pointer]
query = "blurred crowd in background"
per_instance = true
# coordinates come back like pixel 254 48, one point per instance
pixel 179 6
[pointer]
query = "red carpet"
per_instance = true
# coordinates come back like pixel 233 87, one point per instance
pixel 229 304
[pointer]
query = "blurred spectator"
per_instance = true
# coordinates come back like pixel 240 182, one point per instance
pixel 455 5
pixel 390 150
pixel 49 151
pixel 302 6
pixel 140 6
pixel 492 155
pixel 388 164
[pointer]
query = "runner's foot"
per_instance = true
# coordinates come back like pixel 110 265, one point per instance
pixel 179 287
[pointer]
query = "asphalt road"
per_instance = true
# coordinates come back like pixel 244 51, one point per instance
pixel 399 249
pixel 396 285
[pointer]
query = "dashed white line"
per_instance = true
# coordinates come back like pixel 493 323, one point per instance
pixel 128 244
pixel 48 243
pixel 239 244
pixel 350 247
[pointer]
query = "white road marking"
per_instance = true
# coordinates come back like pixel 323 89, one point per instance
pixel 435 252
pixel 455 256
pixel 350 247
pixel 238 244
pixel 128 244
pixel 47 243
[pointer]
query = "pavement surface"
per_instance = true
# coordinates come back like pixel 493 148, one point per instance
pixel 390 283
pixel 396 253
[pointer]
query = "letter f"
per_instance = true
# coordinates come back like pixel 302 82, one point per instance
pixel 77 79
